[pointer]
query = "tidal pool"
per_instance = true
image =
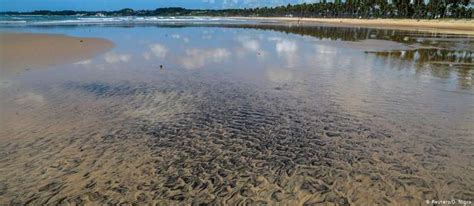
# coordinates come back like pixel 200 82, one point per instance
pixel 242 114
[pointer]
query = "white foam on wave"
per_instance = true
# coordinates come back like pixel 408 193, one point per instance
pixel 115 20
pixel 13 22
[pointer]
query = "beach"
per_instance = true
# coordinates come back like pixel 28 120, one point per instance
pixel 25 51
pixel 449 26
pixel 241 113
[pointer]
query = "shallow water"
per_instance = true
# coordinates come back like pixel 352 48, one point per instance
pixel 243 113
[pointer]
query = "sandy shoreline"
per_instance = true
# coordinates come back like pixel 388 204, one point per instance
pixel 25 51
pixel 268 114
pixel 440 26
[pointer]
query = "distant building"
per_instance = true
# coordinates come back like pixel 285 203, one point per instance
pixel 411 1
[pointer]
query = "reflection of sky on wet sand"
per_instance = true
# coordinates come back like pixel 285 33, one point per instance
pixel 397 84
pixel 168 96
pixel 112 57
pixel 195 58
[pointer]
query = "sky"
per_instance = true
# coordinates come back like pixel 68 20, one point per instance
pixel 30 5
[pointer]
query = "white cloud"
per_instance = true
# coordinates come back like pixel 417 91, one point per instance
pixel 252 45
pixel 287 49
pixel 177 36
pixel 113 57
pixel 159 50
pixel 249 44
pixel 197 58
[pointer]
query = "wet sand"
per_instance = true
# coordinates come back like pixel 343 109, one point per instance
pixel 120 130
pixel 26 51
pixel 464 26
pixel 201 147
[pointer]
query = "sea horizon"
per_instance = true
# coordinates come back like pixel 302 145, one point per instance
pixel 193 110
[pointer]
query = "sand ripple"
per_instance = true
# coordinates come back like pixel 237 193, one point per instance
pixel 216 143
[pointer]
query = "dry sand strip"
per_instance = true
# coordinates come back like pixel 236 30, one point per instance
pixel 24 51
pixel 463 26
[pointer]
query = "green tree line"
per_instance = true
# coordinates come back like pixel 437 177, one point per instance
pixel 347 9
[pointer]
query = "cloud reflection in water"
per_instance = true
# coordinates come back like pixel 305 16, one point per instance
pixel 197 58
pixel 112 57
